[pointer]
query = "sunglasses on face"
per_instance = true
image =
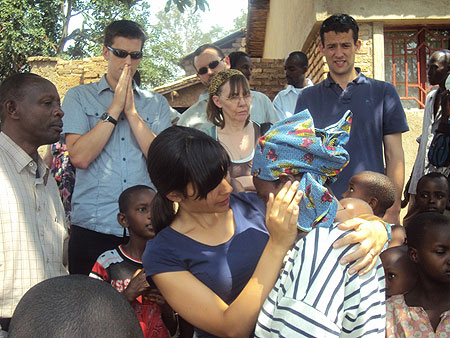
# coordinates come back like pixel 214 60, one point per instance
pixel 212 65
pixel 120 53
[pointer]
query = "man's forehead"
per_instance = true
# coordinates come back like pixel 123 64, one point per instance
pixel 341 37
pixel 208 55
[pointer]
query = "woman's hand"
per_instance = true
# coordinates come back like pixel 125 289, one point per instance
pixel 371 234
pixel 282 214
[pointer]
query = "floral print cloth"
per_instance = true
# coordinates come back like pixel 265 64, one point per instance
pixel 294 146
pixel 405 321
pixel 64 173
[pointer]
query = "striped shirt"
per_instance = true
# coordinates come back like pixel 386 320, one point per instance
pixel 32 225
pixel 314 295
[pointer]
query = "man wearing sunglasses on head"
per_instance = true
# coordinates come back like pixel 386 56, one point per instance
pixel 208 61
pixel 108 126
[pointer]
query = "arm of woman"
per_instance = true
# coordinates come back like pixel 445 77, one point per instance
pixel 372 234
pixel 204 309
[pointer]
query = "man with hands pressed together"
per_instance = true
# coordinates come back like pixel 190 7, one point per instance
pixel 109 126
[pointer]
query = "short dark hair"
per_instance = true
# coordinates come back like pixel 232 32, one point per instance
pixel 14 86
pixel 339 23
pixel 124 28
pixel 382 188
pixel 300 56
pixel 126 196
pixel 235 57
pixel 204 47
pixel 74 306
pixel 434 175
pixel 214 113
pixel 179 156
pixel 420 224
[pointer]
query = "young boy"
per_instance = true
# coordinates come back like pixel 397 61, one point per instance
pixel 374 188
pixel 122 267
pixel 399 271
pixel 432 195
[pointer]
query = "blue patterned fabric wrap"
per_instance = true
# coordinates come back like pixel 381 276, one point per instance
pixel 293 146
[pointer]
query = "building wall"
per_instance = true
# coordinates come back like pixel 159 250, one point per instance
pixel 268 76
pixel 292 24
pixel 67 74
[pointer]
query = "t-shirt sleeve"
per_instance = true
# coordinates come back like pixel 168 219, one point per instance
pixel 75 120
pixel 394 118
pixel 161 255
pixel 99 272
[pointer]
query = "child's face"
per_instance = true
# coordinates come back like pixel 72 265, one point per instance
pixel 432 195
pixel 433 257
pixel 139 215
pixel 398 271
pixel 357 188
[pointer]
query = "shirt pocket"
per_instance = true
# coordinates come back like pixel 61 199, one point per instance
pixel 148 114
pixel 93 115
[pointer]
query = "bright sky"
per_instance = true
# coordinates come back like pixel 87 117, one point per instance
pixel 221 13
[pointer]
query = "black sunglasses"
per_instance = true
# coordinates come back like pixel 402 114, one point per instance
pixel 211 65
pixel 120 53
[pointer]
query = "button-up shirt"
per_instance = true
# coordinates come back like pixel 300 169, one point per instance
pixel 121 163
pixel 261 111
pixel 32 225
pixel 286 100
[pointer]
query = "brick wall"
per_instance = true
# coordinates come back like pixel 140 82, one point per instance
pixel 268 76
pixel 67 74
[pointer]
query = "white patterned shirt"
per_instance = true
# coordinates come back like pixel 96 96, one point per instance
pixel 315 296
pixel 32 225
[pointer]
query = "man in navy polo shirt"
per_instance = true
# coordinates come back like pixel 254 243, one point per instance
pixel 378 116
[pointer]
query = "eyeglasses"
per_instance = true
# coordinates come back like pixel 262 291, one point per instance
pixel 235 99
pixel 212 65
pixel 120 53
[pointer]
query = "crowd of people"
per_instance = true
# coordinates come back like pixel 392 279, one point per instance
pixel 241 217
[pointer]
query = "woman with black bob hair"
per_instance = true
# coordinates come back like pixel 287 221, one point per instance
pixel 216 256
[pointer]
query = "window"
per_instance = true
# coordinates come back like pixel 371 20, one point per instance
pixel 406 53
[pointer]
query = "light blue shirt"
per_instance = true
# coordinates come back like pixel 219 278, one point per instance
pixel 121 163
pixel 286 100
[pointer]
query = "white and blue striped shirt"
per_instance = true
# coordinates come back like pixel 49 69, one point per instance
pixel 316 297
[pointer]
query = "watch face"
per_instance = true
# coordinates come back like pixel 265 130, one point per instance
pixel 104 117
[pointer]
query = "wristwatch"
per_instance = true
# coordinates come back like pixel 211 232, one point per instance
pixel 108 118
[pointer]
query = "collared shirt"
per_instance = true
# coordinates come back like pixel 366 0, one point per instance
pixel 377 111
pixel 286 100
pixel 121 163
pixel 32 225
pixel 315 296
pixel 261 111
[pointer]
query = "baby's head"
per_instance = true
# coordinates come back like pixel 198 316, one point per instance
pixel 374 188
pixel 428 240
pixel 432 193
pixel 398 270
pixel 356 207
pixel 135 211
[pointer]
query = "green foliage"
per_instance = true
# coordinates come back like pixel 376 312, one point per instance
pixel 40 27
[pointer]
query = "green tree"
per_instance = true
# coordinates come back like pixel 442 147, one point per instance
pixel 40 27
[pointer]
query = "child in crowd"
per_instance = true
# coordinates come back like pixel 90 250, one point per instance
pixel 399 271
pixel 432 195
pixel 425 310
pixel 355 207
pixel 374 188
pixel 379 192
pixel 122 267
